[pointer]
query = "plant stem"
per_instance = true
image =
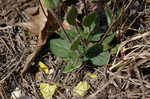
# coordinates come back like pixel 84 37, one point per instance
pixel 115 23
pixel 82 41
pixel 78 31
pixel 88 33
pixel 57 20
pixel 85 7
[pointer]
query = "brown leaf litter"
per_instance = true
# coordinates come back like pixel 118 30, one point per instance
pixel 42 23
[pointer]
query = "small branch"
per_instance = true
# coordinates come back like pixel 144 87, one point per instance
pixel 78 31
pixel 7 46
pixel 30 58
pixel 43 9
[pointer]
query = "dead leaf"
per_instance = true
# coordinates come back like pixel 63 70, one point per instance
pixel 41 22
pixel 82 88
pixel 48 90
pixel 66 25
pixel 36 22
pixel 31 11
pixel 92 75
pixel 43 67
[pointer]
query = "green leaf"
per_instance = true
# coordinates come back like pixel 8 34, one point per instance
pixel 101 59
pixel 71 33
pixel 73 63
pixel 115 49
pixel 88 20
pixel 72 15
pixel 109 16
pixel 51 3
pixel 93 25
pixel 93 51
pixel 117 12
pixel 107 41
pixel 95 37
pixel 76 43
pixel 87 31
pixel 60 47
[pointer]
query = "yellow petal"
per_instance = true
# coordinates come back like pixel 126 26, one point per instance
pixel 92 75
pixel 44 67
pixel 47 90
pixel 82 88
